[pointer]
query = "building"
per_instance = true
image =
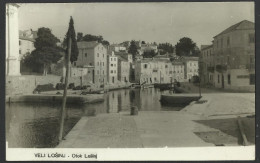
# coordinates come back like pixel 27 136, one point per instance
pixel 26 42
pixel 230 61
pixel 191 67
pixel 12 57
pixel 117 48
pixel 234 51
pixel 151 70
pixel 112 69
pixel 124 66
pixel 93 54
pixel 177 72
pixel 207 64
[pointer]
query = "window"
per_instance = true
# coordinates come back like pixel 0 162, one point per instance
pixel 97 54
pixel 111 59
pixel 90 64
pixel 166 66
pixel 74 63
pixel 228 42
pixel 103 55
pixel 114 59
pixel 145 65
pixel 251 38
pixel 20 43
pixel 20 52
pixel 111 71
pixel 86 54
pixel 229 80
pixel 103 64
pixel 103 72
pixel 111 65
pixel 218 78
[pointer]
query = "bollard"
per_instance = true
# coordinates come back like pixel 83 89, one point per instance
pixel 134 110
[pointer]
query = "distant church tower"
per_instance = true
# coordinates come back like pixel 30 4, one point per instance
pixel 12 40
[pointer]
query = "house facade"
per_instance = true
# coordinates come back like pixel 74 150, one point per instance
pixel 207 63
pixel 26 42
pixel 151 71
pixel 112 68
pixel 233 58
pixel 191 67
pixel 93 54
pixel 124 66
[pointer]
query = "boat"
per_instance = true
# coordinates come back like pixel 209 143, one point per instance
pixel 178 99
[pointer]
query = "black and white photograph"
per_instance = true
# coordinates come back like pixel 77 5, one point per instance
pixel 130 81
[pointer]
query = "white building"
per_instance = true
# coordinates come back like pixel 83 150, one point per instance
pixel 112 68
pixel 191 67
pixel 26 42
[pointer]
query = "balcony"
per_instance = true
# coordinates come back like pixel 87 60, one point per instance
pixel 221 68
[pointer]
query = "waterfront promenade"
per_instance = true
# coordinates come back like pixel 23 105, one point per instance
pixel 211 123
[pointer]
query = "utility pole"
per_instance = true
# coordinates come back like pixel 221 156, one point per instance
pixel 63 111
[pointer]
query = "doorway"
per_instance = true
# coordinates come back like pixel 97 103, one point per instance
pixel 222 81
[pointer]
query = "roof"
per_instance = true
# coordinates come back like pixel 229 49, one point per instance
pixel 243 25
pixel 122 59
pixel 29 35
pixel 191 58
pixel 87 44
pixel 123 55
pixel 203 47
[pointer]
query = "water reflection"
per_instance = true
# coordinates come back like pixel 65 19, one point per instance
pixel 36 125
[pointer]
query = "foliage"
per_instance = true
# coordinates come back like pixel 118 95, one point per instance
pixel 166 48
pixel 46 50
pixel 89 37
pixel 133 49
pixel 149 54
pixel 186 47
pixel 74 47
pixel 143 42
pixel 79 36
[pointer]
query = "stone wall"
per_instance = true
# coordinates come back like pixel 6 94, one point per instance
pixel 26 84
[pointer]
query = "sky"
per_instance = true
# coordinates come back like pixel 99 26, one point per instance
pixel 150 22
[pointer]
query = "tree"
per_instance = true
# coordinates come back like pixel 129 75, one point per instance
pixel 46 50
pixel 79 36
pixel 185 47
pixel 143 42
pixel 149 54
pixel 166 48
pixel 89 37
pixel 133 49
pixel 74 46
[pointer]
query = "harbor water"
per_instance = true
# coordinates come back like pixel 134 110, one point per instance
pixel 36 125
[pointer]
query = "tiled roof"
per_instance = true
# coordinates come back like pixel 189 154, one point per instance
pixel 245 24
pixel 123 55
pixel 206 46
pixel 87 44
